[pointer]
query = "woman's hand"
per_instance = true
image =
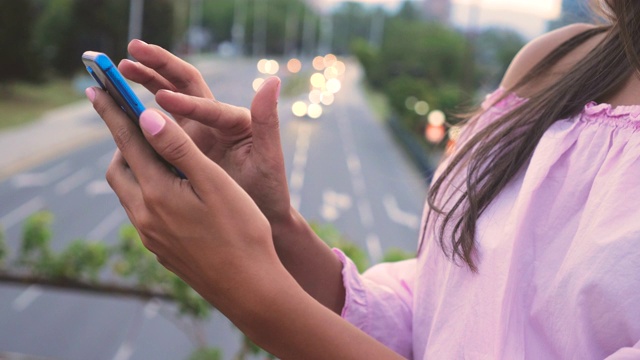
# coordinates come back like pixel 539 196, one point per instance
pixel 199 228
pixel 208 231
pixel 245 143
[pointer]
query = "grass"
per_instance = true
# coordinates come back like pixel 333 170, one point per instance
pixel 21 103
pixel 377 101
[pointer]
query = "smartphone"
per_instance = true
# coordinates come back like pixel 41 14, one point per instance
pixel 107 75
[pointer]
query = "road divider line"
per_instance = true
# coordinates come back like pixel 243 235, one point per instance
pixel 374 248
pixel 73 181
pixel 34 179
pixel 300 157
pixel 107 224
pixel 407 219
pixel 22 212
pixel 26 298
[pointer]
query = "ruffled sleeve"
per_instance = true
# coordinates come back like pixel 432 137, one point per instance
pixel 380 301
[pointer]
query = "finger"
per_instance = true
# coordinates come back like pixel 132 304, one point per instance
pixel 123 183
pixel 145 76
pixel 209 112
pixel 184 76
pixel 265 123
pixel 126 134
pixel 173 144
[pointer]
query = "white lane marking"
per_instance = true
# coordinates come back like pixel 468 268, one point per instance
pixel 399 216
pixel 26 298
pixel 43 178
pixel 73 181
pixel 107 224
pixel 366 215
pixel 98 187
pixel 374 248
pixel 333 204
pixel 22 212
pixel 152 308
pixel 300 156
pixel 126 348
pixel 124 351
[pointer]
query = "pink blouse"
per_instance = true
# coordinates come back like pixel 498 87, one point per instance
pixel 559 266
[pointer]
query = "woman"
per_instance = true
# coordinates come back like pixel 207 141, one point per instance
pixel 530 246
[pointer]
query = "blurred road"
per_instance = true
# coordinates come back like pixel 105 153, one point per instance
pixel 344 168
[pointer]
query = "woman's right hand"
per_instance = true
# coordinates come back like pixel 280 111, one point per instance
pixel 245 143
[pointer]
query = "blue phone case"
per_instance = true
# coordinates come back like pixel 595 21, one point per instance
pixel 106 74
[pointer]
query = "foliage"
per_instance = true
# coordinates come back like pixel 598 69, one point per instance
pixel 66 28
pixel 432 62
pixel 206 354
pixel 4 250
pixel 82 262
pixel 18 59
pixel 35 248
pixel 396 254
pixel 332 236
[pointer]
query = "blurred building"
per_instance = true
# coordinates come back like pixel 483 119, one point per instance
pixel 573 11
pixel 439 10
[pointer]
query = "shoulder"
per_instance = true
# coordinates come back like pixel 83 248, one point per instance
pixel 532 53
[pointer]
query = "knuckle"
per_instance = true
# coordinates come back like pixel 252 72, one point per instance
pixel 110 175
pixel 122 137
pixel 153 197
pixel 178 150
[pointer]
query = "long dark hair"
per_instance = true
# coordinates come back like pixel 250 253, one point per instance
pixel 493 156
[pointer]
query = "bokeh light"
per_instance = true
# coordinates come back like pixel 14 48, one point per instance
pixel 318 63
pixel 257 83
pixel 315 96
pixel 266 66
pixel 314 111
pixel 436 118
pixel 330 73
pixel 294 66
pixel 318 80
pixel 421 107
pixel 329 60
pixel 434 134
pixel 410 102
pixel 333 85
pixel 299 108
pixel 327 98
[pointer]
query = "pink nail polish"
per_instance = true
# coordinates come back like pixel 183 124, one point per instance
pixel 152 122
pixel 91 93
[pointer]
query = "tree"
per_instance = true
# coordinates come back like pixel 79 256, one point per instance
pixel 67 28
pixel 19 59
pixel 137 273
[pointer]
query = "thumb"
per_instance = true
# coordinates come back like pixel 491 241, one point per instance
pixel 265 123
pixel 172 144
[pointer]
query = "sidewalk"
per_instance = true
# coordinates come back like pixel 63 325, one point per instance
pixel 56 133
pixel 67 128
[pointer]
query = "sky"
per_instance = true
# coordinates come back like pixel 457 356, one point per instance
pixel 542 8
pixel 529 17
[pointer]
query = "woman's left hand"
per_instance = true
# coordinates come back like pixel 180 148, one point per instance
pixel 198 228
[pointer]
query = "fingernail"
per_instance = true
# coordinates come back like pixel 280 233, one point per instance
pixel 142 42
pixel 152 122
pixel 91 93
